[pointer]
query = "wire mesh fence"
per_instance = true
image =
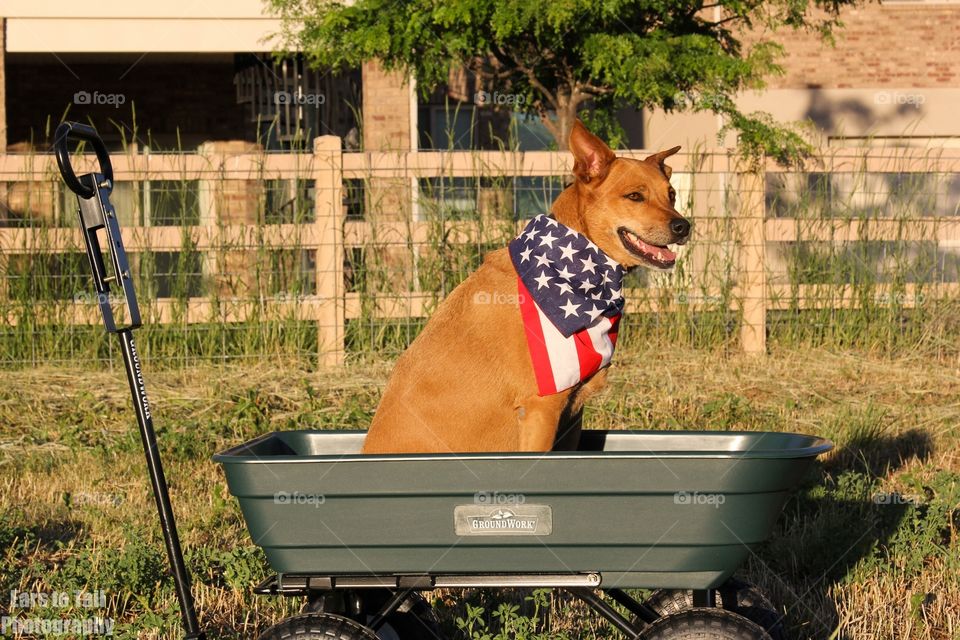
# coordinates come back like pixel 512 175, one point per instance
pixel 332 257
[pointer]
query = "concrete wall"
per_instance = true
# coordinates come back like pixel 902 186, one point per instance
pixel 118 26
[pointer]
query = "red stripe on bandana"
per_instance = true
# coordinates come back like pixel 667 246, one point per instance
pixel 589 359
pixel 536 342
pixel 615 328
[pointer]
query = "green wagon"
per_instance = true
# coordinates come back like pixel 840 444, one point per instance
pixel 672 510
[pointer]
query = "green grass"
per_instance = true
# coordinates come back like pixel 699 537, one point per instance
pixel 876 526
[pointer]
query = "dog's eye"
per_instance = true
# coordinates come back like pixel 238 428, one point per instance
pixel 673 196
pixel 636 196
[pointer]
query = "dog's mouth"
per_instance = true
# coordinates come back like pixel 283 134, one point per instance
pixel 656 255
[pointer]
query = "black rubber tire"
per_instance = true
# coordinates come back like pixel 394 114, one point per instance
pixel 704 624
pixel 317 626
pixel 420 622
pixel 735 595
pixel 417 621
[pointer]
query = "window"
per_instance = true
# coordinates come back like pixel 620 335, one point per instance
pixel 448 198
pixel 170 202
pixel 289 201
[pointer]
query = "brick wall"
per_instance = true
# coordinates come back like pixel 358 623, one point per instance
pixel 387 127
pixel 898 45
pixel 235 202
pixel 386 109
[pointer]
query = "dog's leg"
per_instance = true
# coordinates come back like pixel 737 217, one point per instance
pixel 538 418
pixel 571 421
pixel 568 435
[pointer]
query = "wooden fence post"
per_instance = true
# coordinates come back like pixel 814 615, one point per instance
pixel 751 217
pixel 328 172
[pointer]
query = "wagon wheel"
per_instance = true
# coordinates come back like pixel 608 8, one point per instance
pixel 414 620
pixel 317 626
pixel 704 624
pixel 735 595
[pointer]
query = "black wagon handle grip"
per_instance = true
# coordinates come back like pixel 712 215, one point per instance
pixel 80 131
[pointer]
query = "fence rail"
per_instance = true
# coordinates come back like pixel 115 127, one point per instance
pixel 730 203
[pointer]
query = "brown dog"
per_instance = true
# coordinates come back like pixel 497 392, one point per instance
pixel 467 382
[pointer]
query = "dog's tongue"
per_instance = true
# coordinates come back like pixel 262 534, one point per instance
pixel 662 254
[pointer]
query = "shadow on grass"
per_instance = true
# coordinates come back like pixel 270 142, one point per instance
pixel 49 534
pixel 840 526
pixel 22 544
pixel 877 454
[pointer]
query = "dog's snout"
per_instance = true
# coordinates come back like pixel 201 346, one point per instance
pixel 680 228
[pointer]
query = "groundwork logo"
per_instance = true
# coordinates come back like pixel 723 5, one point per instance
pixel 518 519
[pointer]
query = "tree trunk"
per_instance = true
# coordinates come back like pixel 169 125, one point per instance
pixel 562 123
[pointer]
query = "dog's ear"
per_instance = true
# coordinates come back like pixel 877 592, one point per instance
pixel 592 156
pixel 660 156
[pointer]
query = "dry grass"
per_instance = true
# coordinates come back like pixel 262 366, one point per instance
pixel 76 508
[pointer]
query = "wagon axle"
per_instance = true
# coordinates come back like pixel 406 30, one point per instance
pixel 403 613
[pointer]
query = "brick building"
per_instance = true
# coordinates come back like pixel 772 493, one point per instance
pixel 892 77
pixel 179 73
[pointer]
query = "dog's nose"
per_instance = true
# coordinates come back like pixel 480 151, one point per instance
pixel 680 227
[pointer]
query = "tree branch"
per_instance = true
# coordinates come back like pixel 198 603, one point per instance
pixel 536 84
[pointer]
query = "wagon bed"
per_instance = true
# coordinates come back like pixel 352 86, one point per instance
pixel 677 509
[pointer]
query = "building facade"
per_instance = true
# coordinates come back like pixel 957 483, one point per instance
pixel 180 73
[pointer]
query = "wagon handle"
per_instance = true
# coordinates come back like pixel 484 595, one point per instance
pixel 80 132
pixel 95 212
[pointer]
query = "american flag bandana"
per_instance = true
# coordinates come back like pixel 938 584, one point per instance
pixel 571 300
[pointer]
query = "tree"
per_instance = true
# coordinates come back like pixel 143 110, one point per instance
pixel 563 55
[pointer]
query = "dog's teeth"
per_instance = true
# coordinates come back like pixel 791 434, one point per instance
pixel 659 255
